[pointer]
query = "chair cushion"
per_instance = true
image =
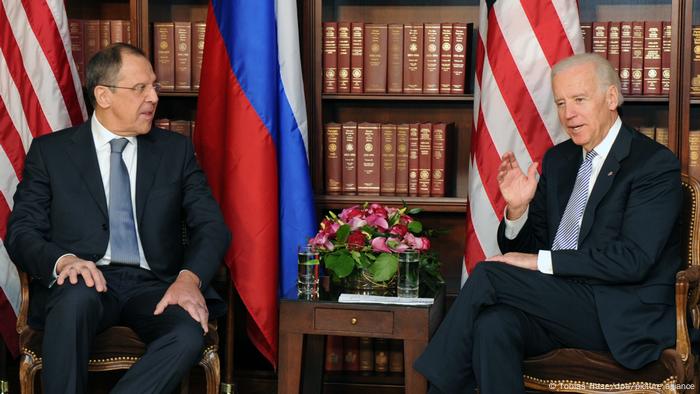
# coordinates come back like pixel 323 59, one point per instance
pixel 600 367
pixel 116 342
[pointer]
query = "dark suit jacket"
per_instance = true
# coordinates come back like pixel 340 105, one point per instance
pixel 629 245
pixel 60 207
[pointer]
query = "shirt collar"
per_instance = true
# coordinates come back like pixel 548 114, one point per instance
pixel 102 136
pixel 606 144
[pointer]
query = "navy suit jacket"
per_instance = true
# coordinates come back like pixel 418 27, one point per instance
pixel 629 244
pixel 60 207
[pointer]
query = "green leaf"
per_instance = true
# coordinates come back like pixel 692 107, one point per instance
pixel 384 267
pixel 341 263
pixel 415 227
pixel 342 234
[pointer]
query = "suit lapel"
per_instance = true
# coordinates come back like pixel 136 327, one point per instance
pixel 82 152
pixel 147 163
pixel 618 152
pixel 566 178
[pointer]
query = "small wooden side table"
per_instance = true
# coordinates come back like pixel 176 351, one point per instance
pixel 413 324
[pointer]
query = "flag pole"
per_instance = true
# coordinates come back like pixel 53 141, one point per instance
pixel 227 386
pixel 4 383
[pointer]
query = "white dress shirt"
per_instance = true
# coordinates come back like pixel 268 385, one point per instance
pixel 513 227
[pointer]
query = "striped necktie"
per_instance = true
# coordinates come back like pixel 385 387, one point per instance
pixel 122 230
pixel 570 225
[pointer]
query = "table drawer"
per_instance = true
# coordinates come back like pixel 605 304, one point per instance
pixel 354 320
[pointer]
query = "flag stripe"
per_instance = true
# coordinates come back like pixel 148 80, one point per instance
pixel 568 13
pixel 8 178
pixel 10 95
pixel 36 120
pixel 547 26
pixel 43 24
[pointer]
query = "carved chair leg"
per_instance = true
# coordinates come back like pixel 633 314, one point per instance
pixel 27 372
pixel 210 363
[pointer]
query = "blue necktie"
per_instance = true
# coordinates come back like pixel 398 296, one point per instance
pixel 570 225
pixel 122 231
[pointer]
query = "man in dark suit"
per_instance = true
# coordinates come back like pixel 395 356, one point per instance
pixel 97 224
pixel 590 251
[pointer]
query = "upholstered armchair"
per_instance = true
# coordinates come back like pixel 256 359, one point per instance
pixel 115 348
pixel 580 371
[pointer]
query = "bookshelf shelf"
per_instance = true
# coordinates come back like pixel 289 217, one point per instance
pixel 400 97
pixel 181 93
pixel 646 99
pixel 428 204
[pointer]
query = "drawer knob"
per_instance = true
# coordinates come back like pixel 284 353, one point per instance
pixel 353 321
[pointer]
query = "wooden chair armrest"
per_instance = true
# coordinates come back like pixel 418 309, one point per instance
pixel 23 304
pixel 687 282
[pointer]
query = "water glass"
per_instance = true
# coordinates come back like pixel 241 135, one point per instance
pixel 407 280
pixel 307 277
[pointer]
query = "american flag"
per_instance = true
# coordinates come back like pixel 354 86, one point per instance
pixel 39 92
pixel 517 45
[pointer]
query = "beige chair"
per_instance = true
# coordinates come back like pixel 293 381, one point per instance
pixel 580 371
pixel 115 348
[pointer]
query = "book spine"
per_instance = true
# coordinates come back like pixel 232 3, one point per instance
pixel 368 159
pixel 357 58
pixel 413 142
pixel 351 353
pixel 395 59
pixel 445 58
pixel 652 57
pixel 183 55
pixel 181 127
pixel 694 153
pixel 395 355
pixel 413 59
pixel 402 159
pixel 162 123
pixel 625 56
pixel 349 149
pixel 587 34
pixel 666 58
pixel 614 45
pixel 637 62
pixel 437 164
pixel 344 39
pixel 381 355
pixel 695 62
pixel 375 58
pixel 648 131
pixel 388 160
pixel 366 355
pixel 164 55
pixel 332 158
pixel 330 57
pixel 198 33
pixel 459 57
pixel 600 38
pixel 334 353
pixel 105 33
pixel 425 147
pixel 431 58
pixel 116 31
pixel 662 136
pixel 127 32
pixel 92 39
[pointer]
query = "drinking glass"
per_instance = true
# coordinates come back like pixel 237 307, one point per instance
pixel 307 277
pixel 407 281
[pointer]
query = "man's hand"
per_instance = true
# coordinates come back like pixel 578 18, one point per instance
pixel 522 260
pixel 186 293
pixel 71 267
pixel 517 188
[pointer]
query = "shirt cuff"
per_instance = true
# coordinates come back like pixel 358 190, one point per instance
pixel 513 227
pixel 55 275
pixel 544 262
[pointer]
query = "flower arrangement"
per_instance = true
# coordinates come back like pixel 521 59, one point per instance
pixel 365 240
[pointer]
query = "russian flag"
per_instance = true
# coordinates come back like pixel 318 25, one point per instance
pixel 251 141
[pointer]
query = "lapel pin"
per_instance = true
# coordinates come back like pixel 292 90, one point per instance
pixel 610 173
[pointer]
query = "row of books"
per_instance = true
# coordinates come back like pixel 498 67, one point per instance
pixel 694 153
pixel 363 354
pixel 640 51
pixel 660 134
pixel 184 127
pixel 407 159
pixel 423 58
pixel 89 36
pixel 178 49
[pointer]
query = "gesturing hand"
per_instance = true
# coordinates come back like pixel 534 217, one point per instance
pixel 517 188
pixel 186 293
pixel 71 267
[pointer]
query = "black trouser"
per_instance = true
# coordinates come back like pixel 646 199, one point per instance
pixel 502 315
pixel 76 313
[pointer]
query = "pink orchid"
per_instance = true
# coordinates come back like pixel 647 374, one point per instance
pixel 399 229
pixel 379 245
pixel 349 213
pixel 378 220
pixel 329 227
pixel 356 223
pixel 377 209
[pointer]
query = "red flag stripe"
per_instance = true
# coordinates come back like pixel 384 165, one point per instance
pixel 547 27
pixel 44 26
pixel 487 163
pixel 474 252
pixel 522 109
pixel 11 144
pixel 36 119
